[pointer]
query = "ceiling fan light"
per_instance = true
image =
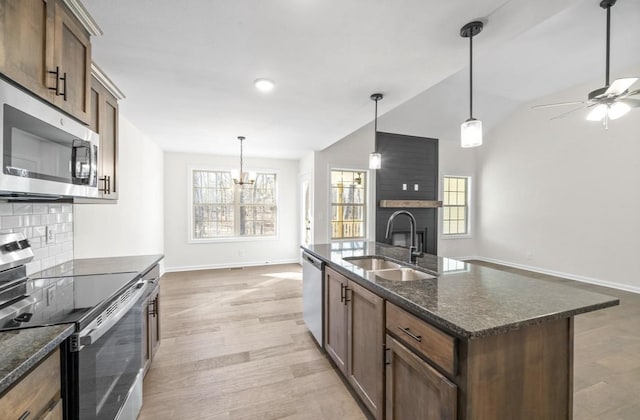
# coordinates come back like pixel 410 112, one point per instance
pixel 471 133
pixel 618 109
pixel 375 161
pixel 598 113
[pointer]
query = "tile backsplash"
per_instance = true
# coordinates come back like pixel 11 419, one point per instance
pixel 33 219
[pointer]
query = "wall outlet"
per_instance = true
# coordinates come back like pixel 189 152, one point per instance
pixel 415 187
pixel 50 234
pixel 404 187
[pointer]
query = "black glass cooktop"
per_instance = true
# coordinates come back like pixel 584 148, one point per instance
pixel 59 300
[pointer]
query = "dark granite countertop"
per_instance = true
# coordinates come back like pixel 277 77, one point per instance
pixel 466 300
pixel 20 350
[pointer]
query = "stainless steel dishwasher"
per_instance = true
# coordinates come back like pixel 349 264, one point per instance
pixel 313 295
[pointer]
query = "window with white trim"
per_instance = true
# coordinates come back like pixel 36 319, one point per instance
pixel 455 206
pixel 348 204
pixel 222 209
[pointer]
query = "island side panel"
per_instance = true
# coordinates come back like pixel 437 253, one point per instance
pixel 521 374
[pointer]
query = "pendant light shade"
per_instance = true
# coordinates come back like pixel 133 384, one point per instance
pixel 375 158
pixel 471 133
pixel 471 129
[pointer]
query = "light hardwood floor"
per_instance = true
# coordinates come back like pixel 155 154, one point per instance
pixel 234 346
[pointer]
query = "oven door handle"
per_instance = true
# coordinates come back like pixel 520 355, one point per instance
pixel 90 334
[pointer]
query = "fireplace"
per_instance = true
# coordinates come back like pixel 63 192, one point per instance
pixel 403 238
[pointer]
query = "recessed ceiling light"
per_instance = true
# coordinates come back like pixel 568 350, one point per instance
pixel 264 85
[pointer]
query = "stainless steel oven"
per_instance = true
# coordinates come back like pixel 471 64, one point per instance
pixel 44 152
pixel 105 361
pixel 102 363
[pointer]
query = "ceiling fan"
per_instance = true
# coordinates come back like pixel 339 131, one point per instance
pixel 611 101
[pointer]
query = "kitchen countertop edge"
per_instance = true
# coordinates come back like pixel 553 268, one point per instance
pixel 45 339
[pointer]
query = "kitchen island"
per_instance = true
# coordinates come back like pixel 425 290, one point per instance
pixel 470 342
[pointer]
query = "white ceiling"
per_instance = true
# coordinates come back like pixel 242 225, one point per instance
pixel 187 68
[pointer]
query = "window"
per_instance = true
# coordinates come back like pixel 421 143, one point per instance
pixel 222 209
pixel 348 204
pixel 455 220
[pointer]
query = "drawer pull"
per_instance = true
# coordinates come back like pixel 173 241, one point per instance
pixel 407 331
pixel 342 293
pixel 25 415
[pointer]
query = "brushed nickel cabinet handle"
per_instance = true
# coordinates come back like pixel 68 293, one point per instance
pixel 342 293
pixel 407 331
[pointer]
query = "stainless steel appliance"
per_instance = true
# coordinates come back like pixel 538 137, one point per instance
pixel 312 295
pixel 103 358
pixel 44 152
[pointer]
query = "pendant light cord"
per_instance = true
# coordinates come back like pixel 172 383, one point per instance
pixel 471 76
pixel 375 120
pixel 608 43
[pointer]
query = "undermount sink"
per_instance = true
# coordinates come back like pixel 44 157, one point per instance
pixel 403 274
pixel 388 270
pixel 372 264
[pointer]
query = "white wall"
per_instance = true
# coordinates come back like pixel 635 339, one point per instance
pixel 352 152
pixel 182 255
pixel 135 225
pixel 562 195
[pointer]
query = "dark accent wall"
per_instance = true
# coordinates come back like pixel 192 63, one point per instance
pixel 408 160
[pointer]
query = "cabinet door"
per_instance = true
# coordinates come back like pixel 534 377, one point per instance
pixel 366 346
pixel 72 53
pixel 414 389
pixel 26 50
pixel 336 318
pixel 154 326
pixel 146 342
pixel 104 120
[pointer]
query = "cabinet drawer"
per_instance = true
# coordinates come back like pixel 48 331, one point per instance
pixel 35 391
pixel 429 341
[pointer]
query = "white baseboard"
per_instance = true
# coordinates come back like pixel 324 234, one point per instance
pixel 584 279
pixel 227 265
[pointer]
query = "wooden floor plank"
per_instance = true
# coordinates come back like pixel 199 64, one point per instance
pixel 234 346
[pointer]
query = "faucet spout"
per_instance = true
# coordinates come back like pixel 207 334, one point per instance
pixel 413 249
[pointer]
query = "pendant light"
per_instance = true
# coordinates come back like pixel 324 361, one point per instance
pixel 375 158
pixel 471 129
pixel 242 178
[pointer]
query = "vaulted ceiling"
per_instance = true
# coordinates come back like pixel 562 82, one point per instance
pixel 187 68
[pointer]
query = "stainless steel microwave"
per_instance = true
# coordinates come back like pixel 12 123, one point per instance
pixel 44 152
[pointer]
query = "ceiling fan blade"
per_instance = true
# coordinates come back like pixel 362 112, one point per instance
pixel 633 103
pixel 557 104
pixel 619 86
pixel 564 114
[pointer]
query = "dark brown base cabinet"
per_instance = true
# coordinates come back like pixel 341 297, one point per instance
pixel 151 327
pixel 37 394
pixel 414 389
pixel 355 337
pixel 416 371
